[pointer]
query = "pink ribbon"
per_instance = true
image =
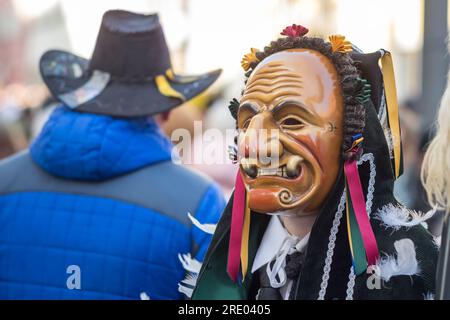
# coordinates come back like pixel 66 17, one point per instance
pixel 237 223
pixel 359 206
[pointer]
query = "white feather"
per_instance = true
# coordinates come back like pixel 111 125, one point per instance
pixel 144 296
pixel 190 280
pixel 404 264
pixel 397 217
pixel 437 241
pixel 189 264
pixel 185 290
pixel 428 296
pixel 192 266
pixel 207 228
pixel 187 285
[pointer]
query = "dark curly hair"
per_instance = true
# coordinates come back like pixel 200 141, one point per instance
pixel 351 83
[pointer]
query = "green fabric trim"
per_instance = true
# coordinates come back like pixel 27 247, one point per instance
pixel 359 252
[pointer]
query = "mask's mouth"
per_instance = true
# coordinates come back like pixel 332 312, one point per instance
pixel 290 170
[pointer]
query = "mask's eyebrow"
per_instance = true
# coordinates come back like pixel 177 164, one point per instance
pixel 249 106
pixel 305 112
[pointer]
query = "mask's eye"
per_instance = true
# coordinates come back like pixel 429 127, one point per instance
pixel 292 123
pixel 245 115
pixel 246 123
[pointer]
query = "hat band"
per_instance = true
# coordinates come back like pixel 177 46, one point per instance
pixel 88 91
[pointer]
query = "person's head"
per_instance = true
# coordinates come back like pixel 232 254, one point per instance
pixel 436 165
pixel 302 93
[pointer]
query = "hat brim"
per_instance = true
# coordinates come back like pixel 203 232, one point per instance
pixel 70 81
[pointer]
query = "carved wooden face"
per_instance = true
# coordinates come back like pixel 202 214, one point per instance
pixel 290 120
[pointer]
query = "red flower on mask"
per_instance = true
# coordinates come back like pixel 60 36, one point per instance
pixel 294 31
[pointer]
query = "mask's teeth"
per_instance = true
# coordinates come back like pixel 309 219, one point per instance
pixel 267 171
pixel 279 172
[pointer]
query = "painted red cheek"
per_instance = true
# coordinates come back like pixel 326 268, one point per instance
pixel 310 140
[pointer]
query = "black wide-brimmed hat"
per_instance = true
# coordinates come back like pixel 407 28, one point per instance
pixel 129 74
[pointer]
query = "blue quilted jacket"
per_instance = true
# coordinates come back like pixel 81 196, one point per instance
pixel 96 209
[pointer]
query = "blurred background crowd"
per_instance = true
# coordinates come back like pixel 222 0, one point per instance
pixel 204 35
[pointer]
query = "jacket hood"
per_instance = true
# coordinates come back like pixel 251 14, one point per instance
pixel 84 146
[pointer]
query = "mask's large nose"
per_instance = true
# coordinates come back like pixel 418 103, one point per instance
pixel 259 145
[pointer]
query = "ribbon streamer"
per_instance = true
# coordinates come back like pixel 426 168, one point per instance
pixel 166 89
pixel 387 68
pixel 245 239
pixel 363 245
pixel 355 239
pixel 237 224
pixel 357 204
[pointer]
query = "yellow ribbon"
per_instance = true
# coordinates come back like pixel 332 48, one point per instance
pixel 357 142
pixel 165 89
pixel 387 68
pixel 170 75
pixel 245 239
pixel 184 79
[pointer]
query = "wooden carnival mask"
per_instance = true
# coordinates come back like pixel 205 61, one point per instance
pixel 292 138
pixel 290 120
